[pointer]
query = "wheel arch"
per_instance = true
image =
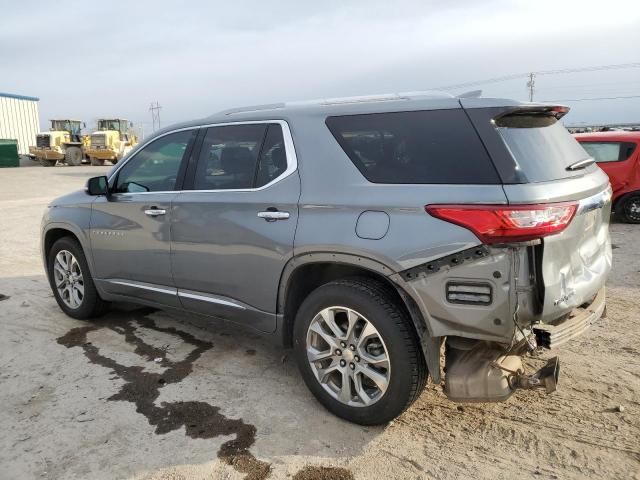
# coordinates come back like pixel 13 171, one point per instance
pixel 624 195
pixel 305 273
pixel 55 231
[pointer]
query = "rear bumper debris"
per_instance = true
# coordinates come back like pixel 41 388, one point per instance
pixel 579 320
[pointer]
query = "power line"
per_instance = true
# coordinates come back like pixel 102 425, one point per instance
pixel 589 99
pixel 591 69
pixel 541 72
pixel 482 82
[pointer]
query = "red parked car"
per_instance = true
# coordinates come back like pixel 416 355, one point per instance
pixel 618 154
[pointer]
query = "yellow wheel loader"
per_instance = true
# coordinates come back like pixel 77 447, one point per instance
pixel 62 143
pixel 112 141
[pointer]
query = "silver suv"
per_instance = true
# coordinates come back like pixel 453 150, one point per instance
pixel 374 235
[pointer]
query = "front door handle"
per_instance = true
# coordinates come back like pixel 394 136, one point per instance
pixel 271 216
pixel 154 211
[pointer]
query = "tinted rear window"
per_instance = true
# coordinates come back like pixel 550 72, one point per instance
pixel 437 146
pixel 541 147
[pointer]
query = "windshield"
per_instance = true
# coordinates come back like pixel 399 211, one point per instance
pixel 65 125
pixel 109 125
pixel 541 147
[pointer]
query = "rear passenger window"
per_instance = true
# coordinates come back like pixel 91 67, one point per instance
pixel 240 157
pixel 603 152
pixel 437 146
pixel 229 156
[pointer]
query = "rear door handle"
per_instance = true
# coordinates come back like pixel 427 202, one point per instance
pixel 154 211
pixel 273 215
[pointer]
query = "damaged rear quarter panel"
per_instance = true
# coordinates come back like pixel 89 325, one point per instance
pixel 492 322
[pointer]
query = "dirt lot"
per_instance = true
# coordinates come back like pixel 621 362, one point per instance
pixel 148 396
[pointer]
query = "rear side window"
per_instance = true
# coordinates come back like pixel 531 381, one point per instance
pixel 228 157
pixel 540 145
pixel 240 157
pixel 436 146
pixel 603 152
pixel 273 159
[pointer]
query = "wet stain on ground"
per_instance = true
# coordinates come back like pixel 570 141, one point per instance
pixel 200 419
pixel 250 351
pixel 323 473
pixel 4 297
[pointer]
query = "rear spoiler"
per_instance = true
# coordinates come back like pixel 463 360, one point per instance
pixel 556 111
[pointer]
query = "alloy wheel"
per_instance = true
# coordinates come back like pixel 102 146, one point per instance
pixel 348 356
pixel 68 279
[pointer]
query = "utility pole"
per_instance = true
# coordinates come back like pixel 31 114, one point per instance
pixel 531 84
pixel 155 114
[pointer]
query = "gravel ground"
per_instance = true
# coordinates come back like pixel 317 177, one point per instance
pixel 149 396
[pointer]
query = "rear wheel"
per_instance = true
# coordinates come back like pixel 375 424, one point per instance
pixel 96 161
pixel 47 163
pixel 628 208
pixel 73 156
pixel 71 280
pixel 358 352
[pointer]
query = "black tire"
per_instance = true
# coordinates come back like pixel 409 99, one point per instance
pixel 47 163
pixel 92 305
pixel 374 301
pixel 73 156
pixel 96 161
pixel 628 208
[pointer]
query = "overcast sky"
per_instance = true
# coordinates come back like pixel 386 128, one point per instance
pixel 195 58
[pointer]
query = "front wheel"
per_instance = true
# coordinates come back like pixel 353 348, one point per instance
pixel 628 208
pixel 73 156
pixel 71 280
pixel 358 352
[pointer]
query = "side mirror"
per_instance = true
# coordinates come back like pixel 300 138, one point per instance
pixel 97 186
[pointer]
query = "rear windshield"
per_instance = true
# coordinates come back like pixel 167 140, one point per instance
pixel 436 146
pixel 541 147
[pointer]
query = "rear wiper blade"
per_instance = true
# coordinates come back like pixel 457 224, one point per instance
pixel 585 162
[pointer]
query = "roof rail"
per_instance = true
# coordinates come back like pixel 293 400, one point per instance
pixel 387 97
pixel 253 108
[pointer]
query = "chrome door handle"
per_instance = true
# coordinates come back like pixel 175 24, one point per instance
pixel 154 212
pixel 273 215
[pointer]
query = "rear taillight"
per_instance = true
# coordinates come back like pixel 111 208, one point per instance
pixel 507 223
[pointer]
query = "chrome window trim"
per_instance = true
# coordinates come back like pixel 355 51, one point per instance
pixel 289 147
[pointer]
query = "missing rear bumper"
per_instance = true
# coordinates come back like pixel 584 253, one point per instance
pixel 553 335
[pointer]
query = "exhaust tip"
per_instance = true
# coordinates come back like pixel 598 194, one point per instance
pixel 549 374
pixel 547 377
